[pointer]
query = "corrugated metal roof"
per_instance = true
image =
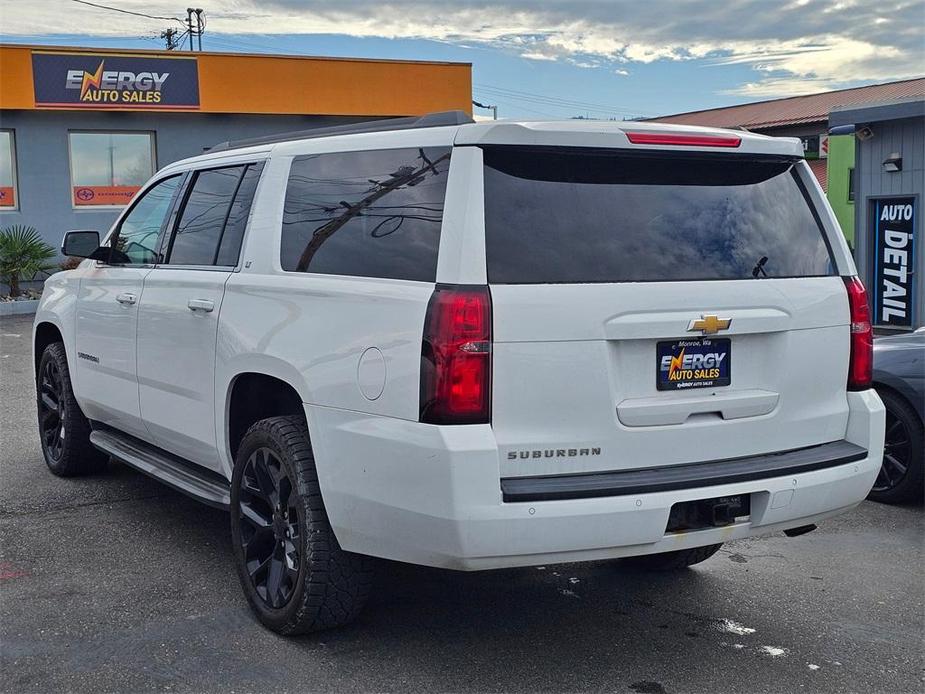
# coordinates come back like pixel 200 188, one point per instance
pixel 763 115
pixel 819 167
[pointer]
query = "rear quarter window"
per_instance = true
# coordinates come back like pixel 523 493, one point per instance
pixel 560 215
pixel 369 214
pixel 202 220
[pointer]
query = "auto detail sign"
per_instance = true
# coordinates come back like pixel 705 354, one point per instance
pixel 893 230
pixel 84 80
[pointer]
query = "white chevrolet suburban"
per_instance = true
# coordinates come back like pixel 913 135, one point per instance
pixel 471 346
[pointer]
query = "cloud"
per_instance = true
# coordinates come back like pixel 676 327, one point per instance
pixel 791 46
pixel 787 86
pixel 537 56
pixel 620 71
pixel 815 64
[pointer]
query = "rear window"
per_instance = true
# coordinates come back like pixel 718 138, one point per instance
pixel 577 216
pixel 374 213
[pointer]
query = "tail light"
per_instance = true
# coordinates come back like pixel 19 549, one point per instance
pixel 683 140
pixel 456 356
pixel 861 365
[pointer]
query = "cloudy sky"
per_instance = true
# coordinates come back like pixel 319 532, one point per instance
pixel 535 58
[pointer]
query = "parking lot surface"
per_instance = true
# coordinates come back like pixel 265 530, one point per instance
pixel 116 583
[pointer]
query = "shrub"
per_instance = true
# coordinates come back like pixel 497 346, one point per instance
pixel 23 254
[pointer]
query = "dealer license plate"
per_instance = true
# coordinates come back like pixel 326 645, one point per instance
pixel 693 363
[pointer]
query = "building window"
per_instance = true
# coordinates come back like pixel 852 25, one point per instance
pixel 107 169
pixel 8 197
pixel 851 184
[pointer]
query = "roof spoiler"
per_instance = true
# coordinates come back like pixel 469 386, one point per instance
pixel 431 120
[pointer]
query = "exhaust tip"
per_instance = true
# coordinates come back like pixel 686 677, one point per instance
pixel 802 530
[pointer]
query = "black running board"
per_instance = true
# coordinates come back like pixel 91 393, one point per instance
pixel 175 472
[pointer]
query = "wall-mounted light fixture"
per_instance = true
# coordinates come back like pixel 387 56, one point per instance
pixel 893 163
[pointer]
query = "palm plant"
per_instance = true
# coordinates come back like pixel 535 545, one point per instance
pixel 23 254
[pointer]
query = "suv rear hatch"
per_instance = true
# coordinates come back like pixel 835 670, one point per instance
pixel 658 308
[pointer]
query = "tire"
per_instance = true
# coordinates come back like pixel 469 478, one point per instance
pixel 278 520
pixel 64 432
pixel 674 561
pixel 903 448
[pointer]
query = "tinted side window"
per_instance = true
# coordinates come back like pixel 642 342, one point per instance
pixel 230 246
pixel 136 242
pixel 366 214
pixel 199 229
pixel 573 216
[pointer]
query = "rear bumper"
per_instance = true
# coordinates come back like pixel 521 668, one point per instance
pixel 432 495
pixel 676 477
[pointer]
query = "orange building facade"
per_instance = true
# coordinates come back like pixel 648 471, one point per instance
pixel 81 129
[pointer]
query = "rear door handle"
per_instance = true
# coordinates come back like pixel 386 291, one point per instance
pixel 126 299
pixel 205 305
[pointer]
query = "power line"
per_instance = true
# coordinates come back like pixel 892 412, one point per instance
pixel 123 39
pixel 240 43
pixel 137 14
pixel 195 32
pixel 517 103
pixel 562 108
pixel 548 98
pixel 518 107
pixel 532 97
pixel 563 104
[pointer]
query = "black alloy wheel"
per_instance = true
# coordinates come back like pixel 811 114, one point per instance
pixel 270 528
pixel 903 468
pixel 64 432
pixel 293 571
pixel 897 445
pixel 52 412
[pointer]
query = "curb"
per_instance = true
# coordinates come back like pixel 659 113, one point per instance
pixel 18 308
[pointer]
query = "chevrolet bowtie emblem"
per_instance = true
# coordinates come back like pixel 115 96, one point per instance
pixel 709 324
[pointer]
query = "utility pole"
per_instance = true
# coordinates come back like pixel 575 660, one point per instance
pixel 200 26
pixel 195 33
pixel 170 38
pixel 189 28
pixel 494 109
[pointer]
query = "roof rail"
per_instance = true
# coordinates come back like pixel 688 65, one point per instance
pixel 431 120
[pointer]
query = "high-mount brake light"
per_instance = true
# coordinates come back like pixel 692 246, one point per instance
pixel 456 356
pixel 677 139
pixel 861 362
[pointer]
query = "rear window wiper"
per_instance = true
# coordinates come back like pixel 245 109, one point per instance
pixel 759 267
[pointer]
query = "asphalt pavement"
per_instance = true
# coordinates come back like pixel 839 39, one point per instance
pixel 116 583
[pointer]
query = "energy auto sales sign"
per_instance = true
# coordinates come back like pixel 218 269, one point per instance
pixel 83 80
